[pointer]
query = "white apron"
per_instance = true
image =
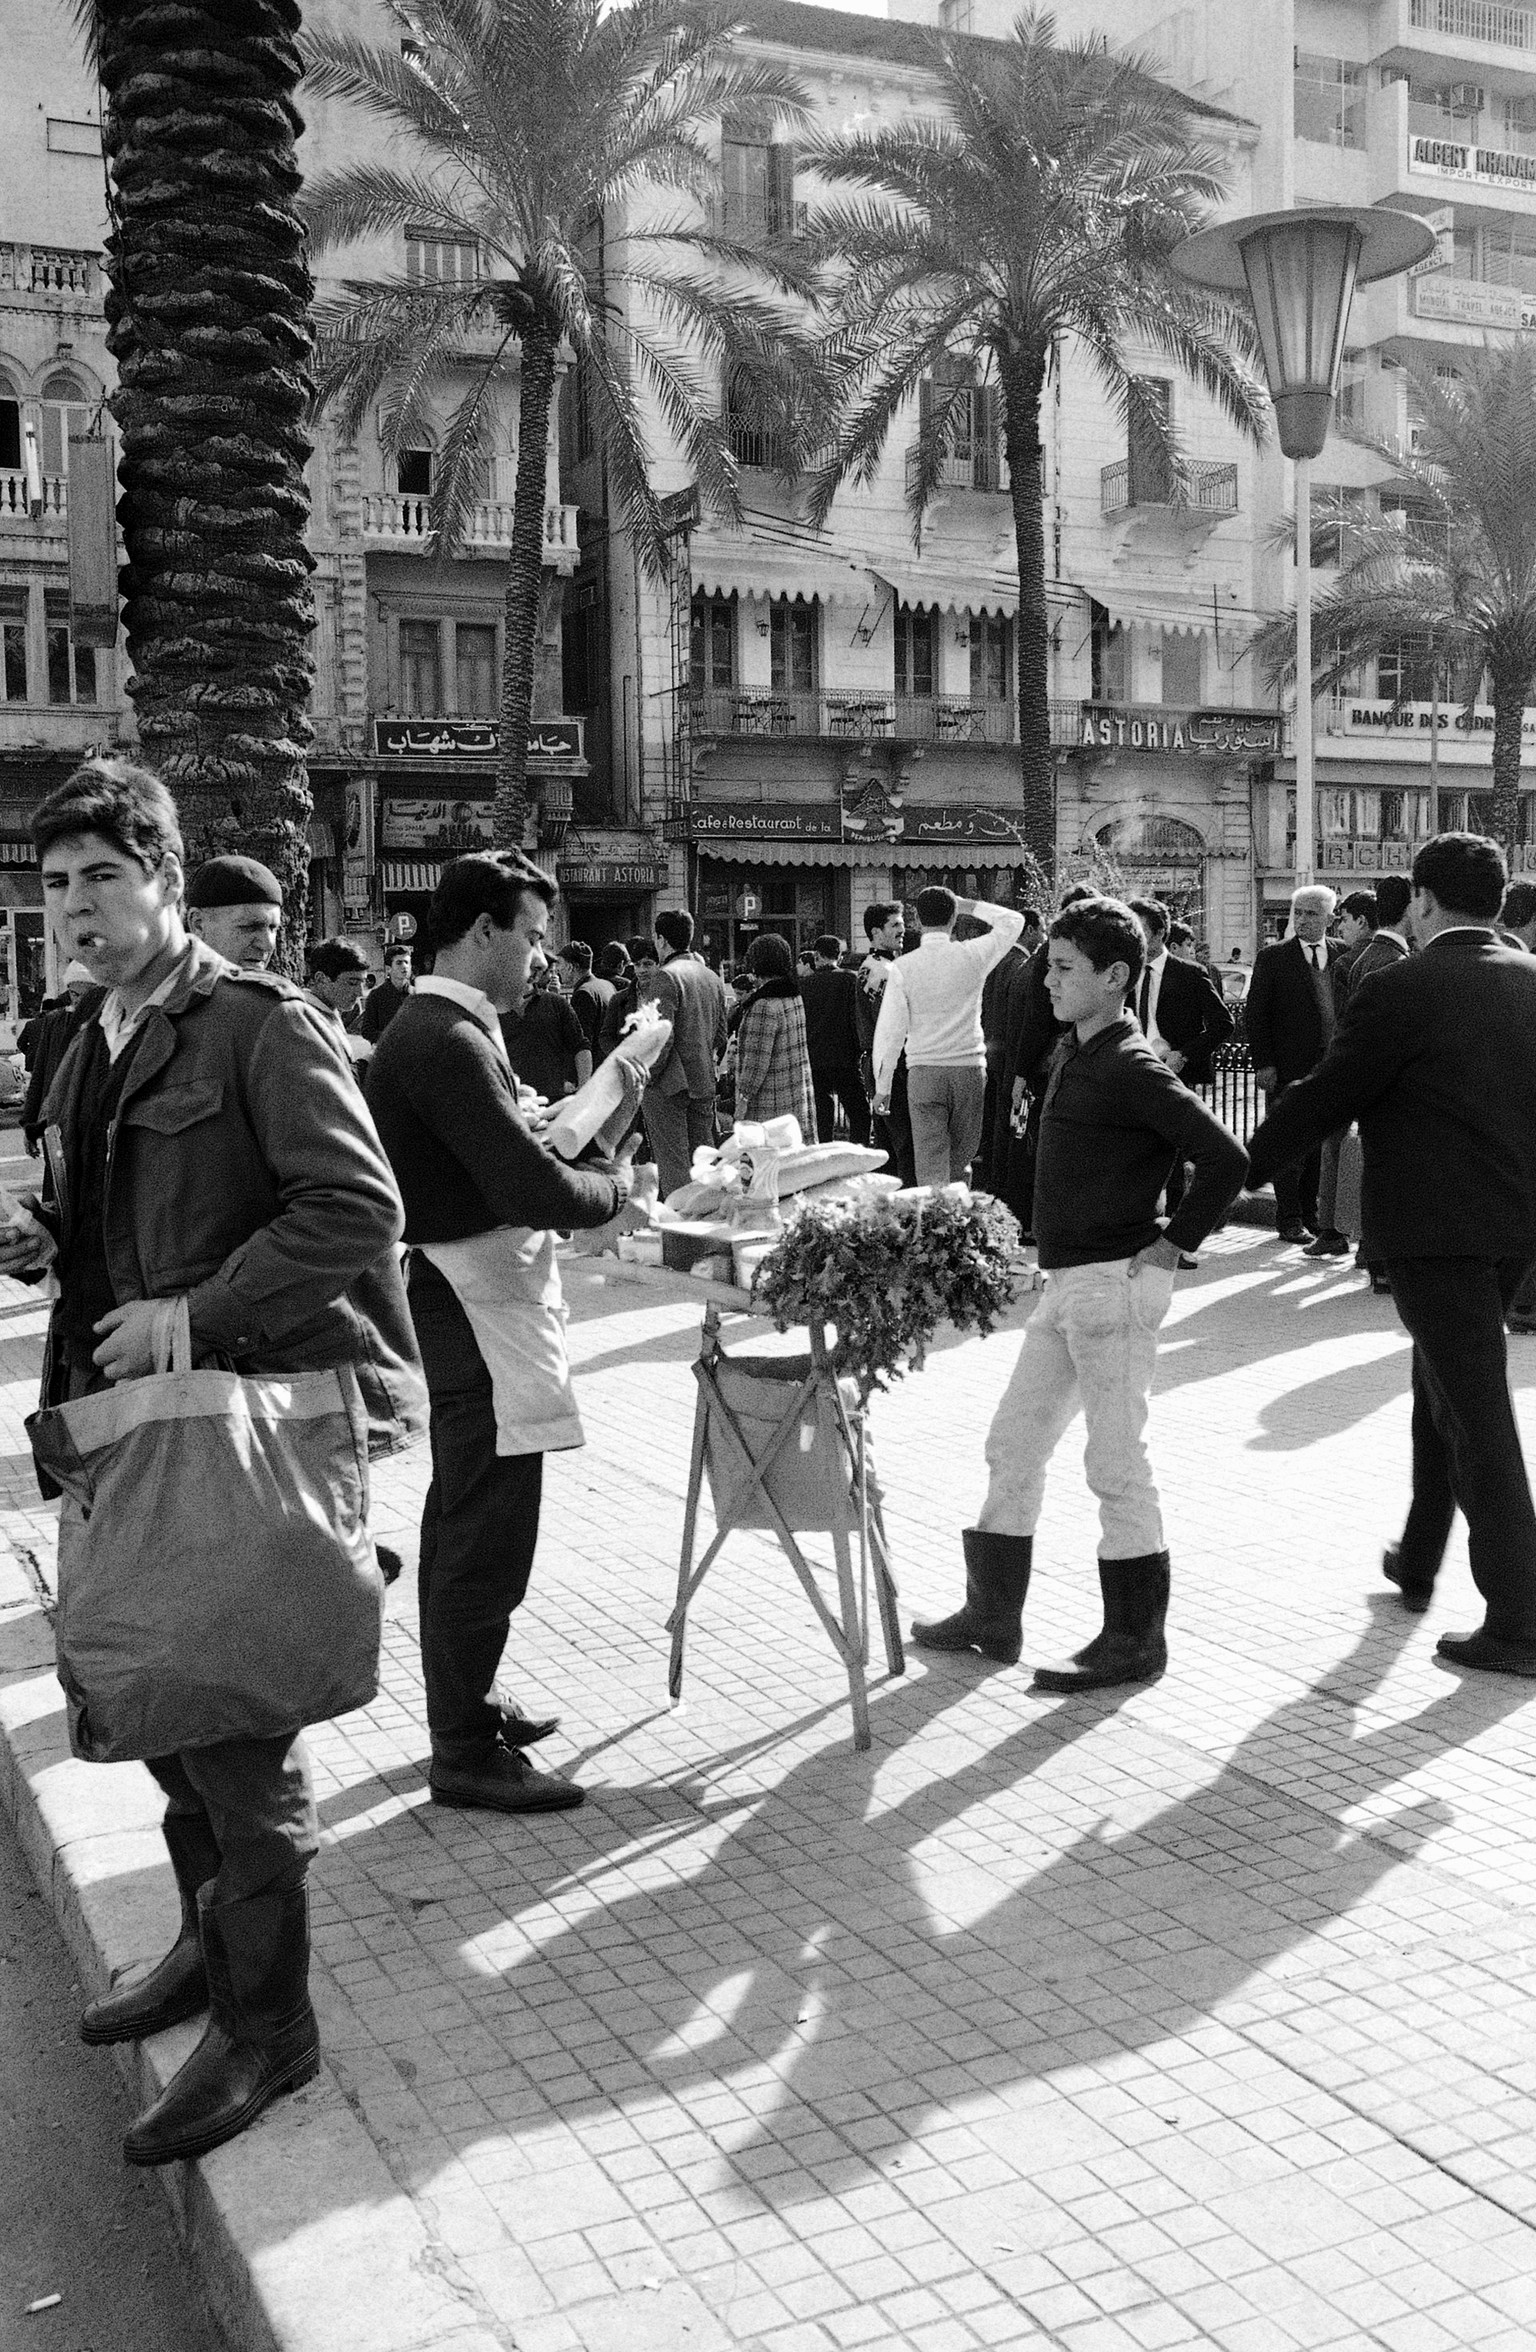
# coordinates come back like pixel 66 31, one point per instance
pixel 508 1283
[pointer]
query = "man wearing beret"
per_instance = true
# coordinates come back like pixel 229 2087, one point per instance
pixel 235 905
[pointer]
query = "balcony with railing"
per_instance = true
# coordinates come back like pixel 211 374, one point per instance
pixel 1210 491
pixel 955 719
pixel 980 467
pixel 49 270
pixel 16 506
pixel 399 518
pixel 1486 23
pixel 755 220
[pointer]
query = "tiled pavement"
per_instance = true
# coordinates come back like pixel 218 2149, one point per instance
pixel 1200 2016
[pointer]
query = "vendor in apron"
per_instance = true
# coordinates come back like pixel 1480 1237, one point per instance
pixel 484 1198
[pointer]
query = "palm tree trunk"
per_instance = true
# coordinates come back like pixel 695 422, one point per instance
pixel 1509 699
pixel 207 314
pixel 1023 377
pixel 540 343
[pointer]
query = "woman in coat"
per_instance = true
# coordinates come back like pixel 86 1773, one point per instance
pixel 773 1057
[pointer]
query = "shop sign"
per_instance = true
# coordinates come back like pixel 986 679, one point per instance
pixel 354 885
pixel 439 828
pixel 755 820
pixel 555 741
pixel 1453 159
pixel 611 874
pixel 1119 726
pixel 1443 221
pixel 953 824
pixel 1469 303
pixel 1402 721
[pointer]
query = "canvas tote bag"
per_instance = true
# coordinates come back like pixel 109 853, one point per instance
pixel 217 1580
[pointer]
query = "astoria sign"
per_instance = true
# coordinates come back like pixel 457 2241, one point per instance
pixel 1124 726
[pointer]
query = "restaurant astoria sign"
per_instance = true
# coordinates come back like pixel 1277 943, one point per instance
pixel 1125 726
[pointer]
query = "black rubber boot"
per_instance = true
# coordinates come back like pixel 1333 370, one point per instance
pixel 996 1581
pixel 1131 1647
pixel 177 1986
pixel 261 2038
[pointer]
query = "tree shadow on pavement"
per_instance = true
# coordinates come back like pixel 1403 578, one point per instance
pixel 876 1946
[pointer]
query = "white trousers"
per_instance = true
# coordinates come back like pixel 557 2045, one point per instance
pixel 1091 1343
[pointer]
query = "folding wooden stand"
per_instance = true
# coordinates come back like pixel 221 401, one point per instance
pixel 760 1479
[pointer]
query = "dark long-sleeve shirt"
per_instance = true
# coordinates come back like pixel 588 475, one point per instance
pixel 463 1154
pixel 1114 1122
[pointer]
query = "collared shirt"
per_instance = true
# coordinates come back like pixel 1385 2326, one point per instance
pixel 118 1025
pixel 1316 952
pixel 1114 1121
pixel 474 1001
pixel 1385 931
pixel 1484 931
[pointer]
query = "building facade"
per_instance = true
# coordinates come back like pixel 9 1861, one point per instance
pixel 1428 106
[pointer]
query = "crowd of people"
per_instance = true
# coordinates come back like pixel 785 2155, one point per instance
pixel 338 1177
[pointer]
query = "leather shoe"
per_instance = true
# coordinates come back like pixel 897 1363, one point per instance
pixel 525 1731
pixel 1416 1597
pixel 1328 1245
pixel 1488 1654
pixel 503 1782
pixel 1292 1233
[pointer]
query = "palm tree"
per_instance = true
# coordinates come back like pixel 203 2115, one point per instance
pixel 1450 564
pixel 567 143
pixel 1037 214
pixel 207 313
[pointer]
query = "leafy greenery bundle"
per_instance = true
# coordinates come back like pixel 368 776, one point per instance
pixel 887 1273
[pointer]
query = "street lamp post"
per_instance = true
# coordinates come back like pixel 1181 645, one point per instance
pixel 1299 271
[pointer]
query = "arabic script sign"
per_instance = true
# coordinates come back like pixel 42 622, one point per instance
pixel 441 828
pixel 1119 726
pixel 472 739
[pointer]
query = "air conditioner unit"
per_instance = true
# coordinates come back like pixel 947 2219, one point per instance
pixel 1520 114
pixel 1465 98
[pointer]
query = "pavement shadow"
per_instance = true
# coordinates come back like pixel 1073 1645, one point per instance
pixel 1116 1941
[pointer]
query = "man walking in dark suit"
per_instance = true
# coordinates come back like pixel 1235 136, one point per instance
pixel 680 1100
pixel 1183 1017
pixel 1437 1060
pixel 831 999
pixel 1388 942
pixel 1292 1015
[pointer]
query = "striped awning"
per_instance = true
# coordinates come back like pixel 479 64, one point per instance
pixel 409 873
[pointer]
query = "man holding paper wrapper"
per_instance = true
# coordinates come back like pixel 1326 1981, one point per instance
pixel 483 1199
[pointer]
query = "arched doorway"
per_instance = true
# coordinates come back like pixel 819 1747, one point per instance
pixel 1160 857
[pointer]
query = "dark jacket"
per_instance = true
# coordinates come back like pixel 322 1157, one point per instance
pixel 1285 1026
pixel 831 999
pixel 55 1031
pixel 997 995
pixel 590 999
pixel 380 1006
pixel 244 1170
pixel 465 1156
pixel 1192 1016
pixel 1382 952
pixel 1437 1060
pixel 692 998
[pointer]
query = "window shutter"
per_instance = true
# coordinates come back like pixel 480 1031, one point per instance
pixel 781 190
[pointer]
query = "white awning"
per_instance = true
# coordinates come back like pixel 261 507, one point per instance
pixel 409 873
pixel 878 854
pixel 1185 612
pixel 768 567
pixel 942 588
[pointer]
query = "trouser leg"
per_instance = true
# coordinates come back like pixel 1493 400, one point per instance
pixel 826 1110
pixel 1111 1327
pixel 666 1126
pixel 967 1102
pixel 1287 1183
pixel 928 1109
pixel 849 1088
pixel 258 1801
pixel 1029 1424
pixel 1328 1181
pixel 701 1124
pixel 483 1509
pixel 1454 1311
pixel 1432 1506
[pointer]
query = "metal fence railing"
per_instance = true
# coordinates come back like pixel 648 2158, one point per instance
pixel 1233 1090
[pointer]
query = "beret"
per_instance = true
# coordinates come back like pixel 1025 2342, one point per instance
pixel 234 881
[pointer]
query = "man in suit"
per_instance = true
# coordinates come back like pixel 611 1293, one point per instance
pixel 1292 1015
pixel 1183 1017
pixel 1388 942
pixel 1517 916
pixel 1437 1060
pixel 680 1099
pixel 884 927
pixel 831 999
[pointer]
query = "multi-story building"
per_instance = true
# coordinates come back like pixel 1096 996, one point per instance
pixel 407 648
pixel 1430 106
pixel 823 719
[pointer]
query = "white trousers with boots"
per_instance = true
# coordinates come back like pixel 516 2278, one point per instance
pixel 1091 1343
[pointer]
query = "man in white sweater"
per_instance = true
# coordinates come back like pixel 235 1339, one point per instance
pixel 932 1006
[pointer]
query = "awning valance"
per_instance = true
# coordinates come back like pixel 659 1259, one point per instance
pixel 409 873
pixel 879 854
pixel 726 567
pixel 1148 601
pixel 940 588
